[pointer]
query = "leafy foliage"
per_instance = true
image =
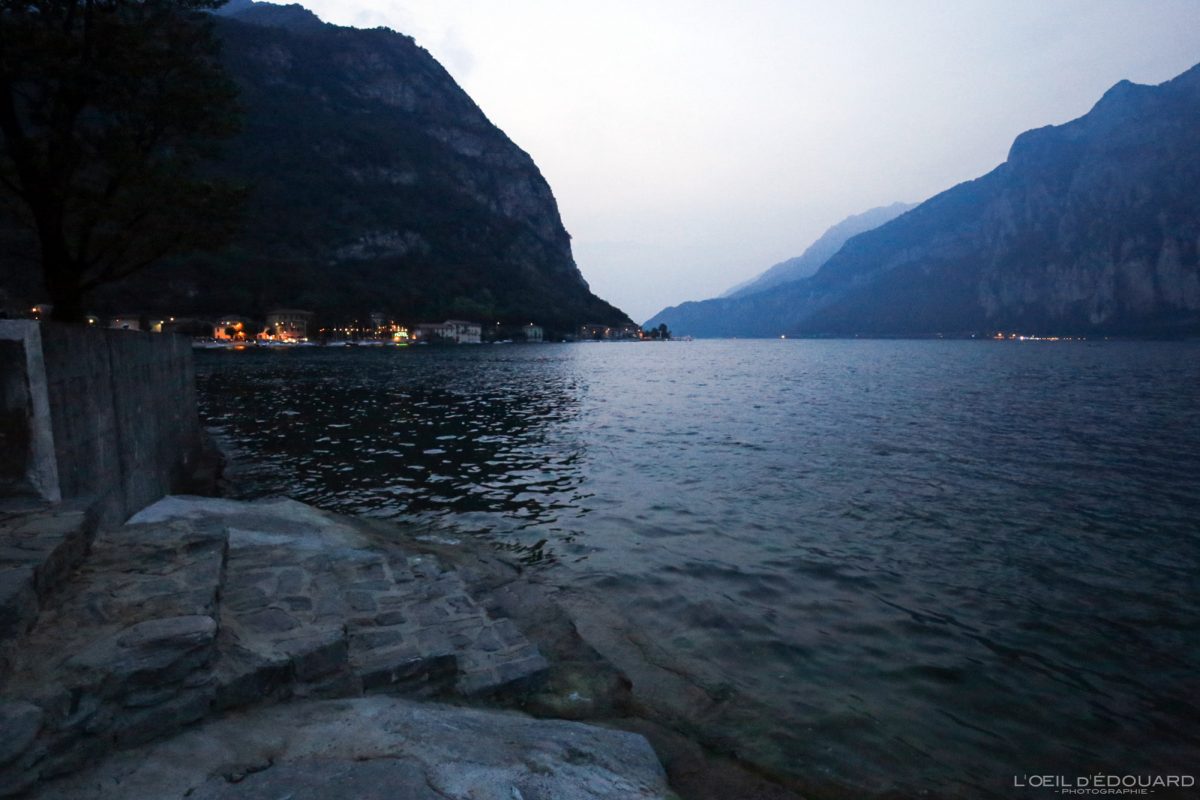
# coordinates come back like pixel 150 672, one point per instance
pixel 107 107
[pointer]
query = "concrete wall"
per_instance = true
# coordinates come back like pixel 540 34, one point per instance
pixel 122 409
pixel 27 462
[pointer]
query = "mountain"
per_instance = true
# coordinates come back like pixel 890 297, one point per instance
pixel 820 251
pixel 374 183
pixel 1089 228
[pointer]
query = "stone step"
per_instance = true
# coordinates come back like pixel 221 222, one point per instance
pixel 433 618
pixel 123 653
pixel 39 547
pixel 297 575
pixel 200 606
pixel 281 634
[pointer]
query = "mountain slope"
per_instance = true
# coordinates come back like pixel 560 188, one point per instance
pixel 375 183
pixel 1091 227
pixel 820 251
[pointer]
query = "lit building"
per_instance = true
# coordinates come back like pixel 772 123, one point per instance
pixel 452 331
pixel 230 329
pixel 433 332
pixel 288 324
pixel 594 330
pixel 534 333
pixel 463 332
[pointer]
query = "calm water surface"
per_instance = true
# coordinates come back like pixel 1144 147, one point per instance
pixel 917 565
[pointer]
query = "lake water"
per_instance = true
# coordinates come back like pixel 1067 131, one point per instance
pixel 916 566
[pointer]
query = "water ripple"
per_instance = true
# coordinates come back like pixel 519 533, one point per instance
pixel 898 566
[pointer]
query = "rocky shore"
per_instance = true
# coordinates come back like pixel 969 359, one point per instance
pixel 218 648
pixel 282 638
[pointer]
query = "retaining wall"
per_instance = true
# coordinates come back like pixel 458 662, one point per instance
pixel 119 408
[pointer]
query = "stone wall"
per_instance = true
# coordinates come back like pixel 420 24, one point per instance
pixel 27 463
pixel 122 413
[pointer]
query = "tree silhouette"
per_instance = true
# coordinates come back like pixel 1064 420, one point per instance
pixel 107 107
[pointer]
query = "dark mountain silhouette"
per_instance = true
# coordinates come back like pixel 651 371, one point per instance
pixel 1091 228
pixel 374 183
pixel 820 251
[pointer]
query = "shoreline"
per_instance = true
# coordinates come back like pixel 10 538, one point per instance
pixel 593 651
pixel 295 624
pixel 180 620
pixel 604 693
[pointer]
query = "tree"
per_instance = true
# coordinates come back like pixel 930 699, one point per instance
pixel 107 109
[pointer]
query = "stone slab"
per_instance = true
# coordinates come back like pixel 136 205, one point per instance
pixel 39 547
pixel 199 606
pixel 377 747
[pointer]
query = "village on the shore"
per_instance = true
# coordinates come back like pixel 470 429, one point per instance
pixel 289 327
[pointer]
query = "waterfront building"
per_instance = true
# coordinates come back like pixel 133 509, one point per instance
pixel 593 330
pixel 288 324
pixel 230 328
pixel 452 331
pixel 432 332
pixel 464 332
pixel 126 322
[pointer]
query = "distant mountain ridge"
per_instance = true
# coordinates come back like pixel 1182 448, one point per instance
pixel 375 184
pixel 1091 228
pixel 820 251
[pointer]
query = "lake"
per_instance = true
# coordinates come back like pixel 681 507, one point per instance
pixel 914 565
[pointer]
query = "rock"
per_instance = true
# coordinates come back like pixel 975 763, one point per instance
pixel 14 782
pixel 18 601
pixel 150 653
pixel 317 654
pixel 377 747
pixel 387 89
pixel 1089 228
pixel 175 633
pixel 50 539
pixel 147 724
pixel 202 606
pixel 312 779
pixel 245 677
pixel 403 671
pixel 19 726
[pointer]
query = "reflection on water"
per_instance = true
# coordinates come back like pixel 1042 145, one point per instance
pixel 415 435
pixel 915 565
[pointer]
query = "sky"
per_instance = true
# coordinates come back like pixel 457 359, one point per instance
pixel 692 144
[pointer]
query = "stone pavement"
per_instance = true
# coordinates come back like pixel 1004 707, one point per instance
pixel 198 606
